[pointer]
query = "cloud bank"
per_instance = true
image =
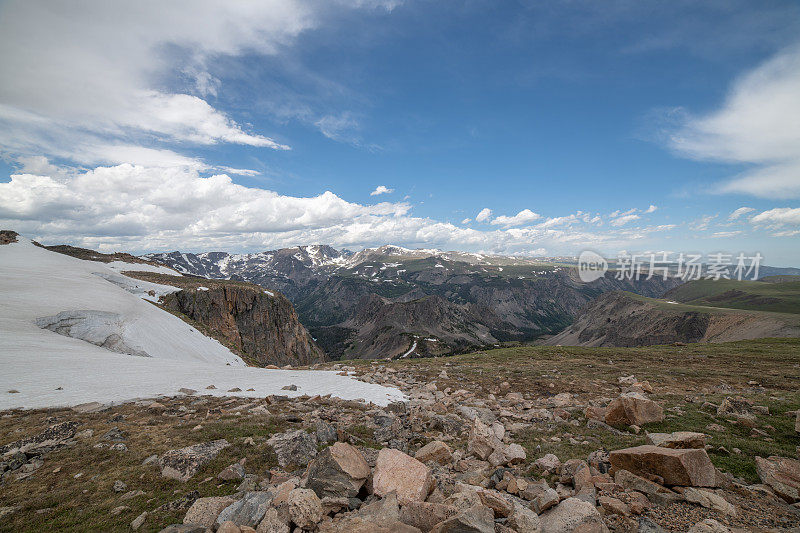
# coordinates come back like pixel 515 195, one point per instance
pixel 137 208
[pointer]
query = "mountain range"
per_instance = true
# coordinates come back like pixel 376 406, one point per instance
pixel 396 302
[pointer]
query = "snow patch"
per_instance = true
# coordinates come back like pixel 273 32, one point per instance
pixel 97 327
pixel 39 284
pixel 121 266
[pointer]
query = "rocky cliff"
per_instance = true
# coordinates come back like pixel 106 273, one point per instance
pixel 625 320
pixel 263 327
pixel 260 325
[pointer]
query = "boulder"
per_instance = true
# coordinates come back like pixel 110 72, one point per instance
pixel 497 502
pixel 381 510
pixel 184 463
pixel 507 455
pixel 425 515
pixel 548 464
pixel 401 473
pixel 545 500
pixel 248 511
pixel 633 409
pixel 482 440
pixel 325 432
pixel 614 506
pixel 523 519
pixel 654 491
pixel 687 468
pixel 305 508
pixel 678 439
pixel 573 515
pixel 782 475
pixel 293 447
pixel 339 470
pixel 273 522
pixel 204 511
pixel 709 500
pixel 476 519
pixel 435 451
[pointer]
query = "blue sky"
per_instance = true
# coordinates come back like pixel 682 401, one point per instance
pixel 613 126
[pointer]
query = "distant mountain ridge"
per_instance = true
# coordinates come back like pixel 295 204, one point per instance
pixel 392 301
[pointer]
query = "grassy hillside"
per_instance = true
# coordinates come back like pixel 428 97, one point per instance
pixel 779 294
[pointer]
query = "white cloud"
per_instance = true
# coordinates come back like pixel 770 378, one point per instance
pixel 484 215
pixel 777 217
pixel 702 223
pixel 735 214
pixel 381 189
pixel 758 124
pixel 135 208
pixel 81 81
pixel 621 220
pixel 523 217
pixel 466 221
pixel 651 209
pixel 726 234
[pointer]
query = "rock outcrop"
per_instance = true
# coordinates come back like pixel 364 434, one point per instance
pixel 260 325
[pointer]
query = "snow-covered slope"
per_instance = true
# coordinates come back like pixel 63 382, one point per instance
pixel 126 347
pixel 36 283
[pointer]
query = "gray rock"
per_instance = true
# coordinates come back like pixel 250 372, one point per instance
pixel 204 511
pixel 326 433
pixel 184 463
pixel 248 511
pixel 476 519
pixel 338 471
pixel 573 515
pixel 293 447
pixel 53 437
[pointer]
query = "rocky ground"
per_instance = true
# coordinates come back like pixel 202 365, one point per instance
pixel 673 438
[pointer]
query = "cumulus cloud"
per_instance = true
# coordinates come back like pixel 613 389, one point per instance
pixel 758 124
pixel 136 208
pixel 737 213
pixel 523 217
pixel 381 189
pixel 780 216
pixel 483 215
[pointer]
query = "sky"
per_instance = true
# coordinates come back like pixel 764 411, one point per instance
pixel 518 127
